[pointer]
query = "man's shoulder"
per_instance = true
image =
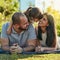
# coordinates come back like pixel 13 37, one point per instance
pixel 31 27
pixel 5 25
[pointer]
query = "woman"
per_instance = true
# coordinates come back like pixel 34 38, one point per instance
pixel 46 34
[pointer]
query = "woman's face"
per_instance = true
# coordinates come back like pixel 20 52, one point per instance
pixel 43 22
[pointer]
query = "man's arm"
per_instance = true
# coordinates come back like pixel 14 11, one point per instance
pixel 4 38
pixel 31 42
pixel 5 44
pixel 31 45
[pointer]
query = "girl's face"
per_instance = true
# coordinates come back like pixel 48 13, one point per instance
pixel 43 22
pixel 34 20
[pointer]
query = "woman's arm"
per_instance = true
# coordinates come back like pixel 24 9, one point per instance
pixel 40 48
pixel 53 47
pixel 54 43
pixel 48 48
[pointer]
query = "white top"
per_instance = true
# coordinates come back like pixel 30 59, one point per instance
pixel 43 41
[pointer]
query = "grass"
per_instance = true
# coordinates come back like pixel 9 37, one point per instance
pixel 30 57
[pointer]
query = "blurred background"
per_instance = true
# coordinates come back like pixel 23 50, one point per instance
pixel 8 7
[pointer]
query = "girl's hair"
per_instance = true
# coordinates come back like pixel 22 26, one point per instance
pixel 27 13
pixel 51 33
pixel 33 13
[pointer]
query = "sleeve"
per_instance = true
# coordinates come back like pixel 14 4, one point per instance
pixel 4 31
pixel 32 33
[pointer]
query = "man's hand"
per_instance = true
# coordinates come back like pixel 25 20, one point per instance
pixel 19 49
pixel 13 49
pixel 16 49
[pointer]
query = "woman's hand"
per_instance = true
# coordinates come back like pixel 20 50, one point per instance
pixel 39 49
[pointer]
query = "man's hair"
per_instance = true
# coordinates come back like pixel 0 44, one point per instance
pixel 16 17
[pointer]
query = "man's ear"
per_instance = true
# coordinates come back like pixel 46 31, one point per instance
pixel 16 25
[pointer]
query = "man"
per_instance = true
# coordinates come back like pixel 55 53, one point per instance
pixel 22 37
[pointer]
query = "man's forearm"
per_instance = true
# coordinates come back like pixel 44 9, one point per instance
pixel 6 48
pixel 5 44
pixel 28 48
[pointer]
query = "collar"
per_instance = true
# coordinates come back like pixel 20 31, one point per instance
pixel 13 31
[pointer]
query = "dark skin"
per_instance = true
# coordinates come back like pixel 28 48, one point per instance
pixel 15 47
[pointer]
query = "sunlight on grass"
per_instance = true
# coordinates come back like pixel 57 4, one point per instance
pixel 43 57
pixel 22 59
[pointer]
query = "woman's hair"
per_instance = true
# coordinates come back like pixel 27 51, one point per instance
pixel 51 33
pixel 33 13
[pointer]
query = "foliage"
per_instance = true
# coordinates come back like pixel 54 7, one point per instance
pixel 7 8
pixel 56 15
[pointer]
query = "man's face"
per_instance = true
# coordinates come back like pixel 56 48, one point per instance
pixel 23 23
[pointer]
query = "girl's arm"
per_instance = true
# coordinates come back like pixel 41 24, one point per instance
pixel 9 28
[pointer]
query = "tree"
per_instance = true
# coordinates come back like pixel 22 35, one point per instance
pixel 7 8
pixel 56 15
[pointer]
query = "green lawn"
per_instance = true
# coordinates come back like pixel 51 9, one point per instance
pixel 30 57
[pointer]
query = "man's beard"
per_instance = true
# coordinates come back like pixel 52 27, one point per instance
pixel 22 28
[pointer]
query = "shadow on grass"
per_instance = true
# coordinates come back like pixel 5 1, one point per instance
pixel 14 56
pixel 21 56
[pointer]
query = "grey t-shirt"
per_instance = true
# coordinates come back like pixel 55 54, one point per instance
pixel 21 38
pixel 43 41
